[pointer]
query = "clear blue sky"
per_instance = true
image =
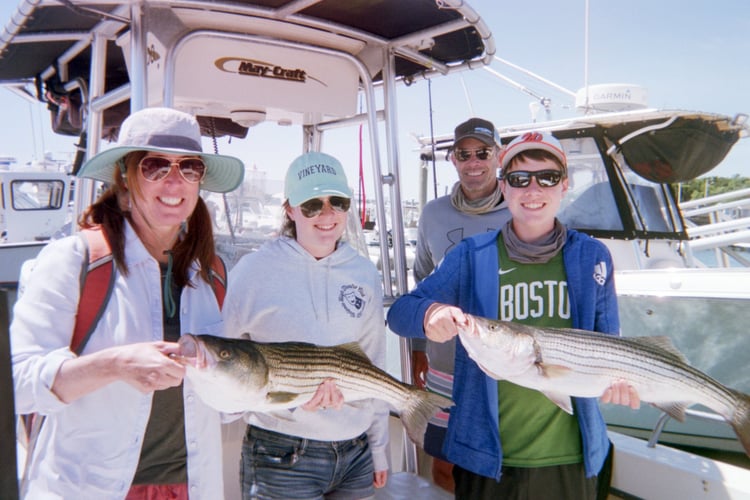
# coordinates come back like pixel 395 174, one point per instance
pixel 688 54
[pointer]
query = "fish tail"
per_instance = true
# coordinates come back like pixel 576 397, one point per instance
pixel 741 419
pixel 422 405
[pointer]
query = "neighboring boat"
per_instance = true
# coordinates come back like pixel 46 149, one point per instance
pixel 35 206
pixel 300 62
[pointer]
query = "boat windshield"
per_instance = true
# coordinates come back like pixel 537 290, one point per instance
pixel 591 201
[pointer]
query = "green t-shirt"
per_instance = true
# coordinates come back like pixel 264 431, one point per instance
pixel 533 430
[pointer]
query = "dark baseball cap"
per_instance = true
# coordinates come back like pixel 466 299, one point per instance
pixel 479 129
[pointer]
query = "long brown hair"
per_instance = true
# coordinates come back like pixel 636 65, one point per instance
pixel 288 227
pixel 113 206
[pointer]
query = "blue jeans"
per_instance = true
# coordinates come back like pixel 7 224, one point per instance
pixel 276 465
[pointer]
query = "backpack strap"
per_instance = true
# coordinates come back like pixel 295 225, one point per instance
pixel 218 275
pixel 97 282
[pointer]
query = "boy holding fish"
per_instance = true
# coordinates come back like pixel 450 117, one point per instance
pixel 507 441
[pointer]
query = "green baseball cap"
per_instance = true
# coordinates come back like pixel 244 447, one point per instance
pixel 313 175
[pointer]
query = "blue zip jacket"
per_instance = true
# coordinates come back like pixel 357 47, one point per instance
pixel 468 279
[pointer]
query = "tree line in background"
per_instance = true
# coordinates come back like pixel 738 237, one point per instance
pixel 708 186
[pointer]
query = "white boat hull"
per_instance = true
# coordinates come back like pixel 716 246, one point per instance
pixel 704 313
pixel 662 472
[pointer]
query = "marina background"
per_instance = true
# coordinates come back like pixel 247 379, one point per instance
pixel 686 55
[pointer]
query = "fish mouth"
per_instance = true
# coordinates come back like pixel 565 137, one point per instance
pixel 193 352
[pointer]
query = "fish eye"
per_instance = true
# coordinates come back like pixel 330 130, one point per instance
pixel 224 354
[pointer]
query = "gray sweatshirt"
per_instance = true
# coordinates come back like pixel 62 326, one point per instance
pixel 282 293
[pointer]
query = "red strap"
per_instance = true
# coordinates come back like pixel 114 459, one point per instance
pixel 97 281
pixel 219 279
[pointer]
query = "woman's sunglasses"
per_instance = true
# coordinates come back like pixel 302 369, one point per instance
pixel 522 178
pixel 312 208
pixel 465 154
pixel 156 168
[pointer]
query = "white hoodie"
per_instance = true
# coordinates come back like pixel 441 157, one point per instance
pixel 282 293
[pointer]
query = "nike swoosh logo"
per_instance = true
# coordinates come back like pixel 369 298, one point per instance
pixel 506 271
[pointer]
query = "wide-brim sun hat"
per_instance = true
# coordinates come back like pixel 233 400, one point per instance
pixel 313 175
pixel 533 140
pixel 168 131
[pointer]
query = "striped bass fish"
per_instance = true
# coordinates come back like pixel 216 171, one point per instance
pixel 563 362
pixel 234 375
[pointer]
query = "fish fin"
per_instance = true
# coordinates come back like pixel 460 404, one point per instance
pixel 563 401
pixel 281 397
pixel 245 336
pixel 741 419
pixel 663 343
pixel 354 348
pixel 421 405
pixel 674 409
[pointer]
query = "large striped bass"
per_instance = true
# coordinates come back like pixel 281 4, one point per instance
pixel 234 375
pixel 564 362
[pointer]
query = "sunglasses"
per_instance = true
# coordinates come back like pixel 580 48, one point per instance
pixel 156 168
pixel 312 208
pixel 465 154
pixel 522 178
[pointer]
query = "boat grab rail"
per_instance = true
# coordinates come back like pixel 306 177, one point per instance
pixel 740 193
pixel 719 207
pixel 664 418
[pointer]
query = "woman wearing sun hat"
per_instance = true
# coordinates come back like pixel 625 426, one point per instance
pixel 317 289
pixel 120 423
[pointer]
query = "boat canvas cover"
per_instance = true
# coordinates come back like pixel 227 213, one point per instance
pixel 685 150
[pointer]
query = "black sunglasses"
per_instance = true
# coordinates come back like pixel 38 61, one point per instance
pixel 312 208
pixel 156 168
pixel 465 154
pixel 522 178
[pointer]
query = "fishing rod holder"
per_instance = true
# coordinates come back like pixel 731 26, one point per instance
pixel 664 418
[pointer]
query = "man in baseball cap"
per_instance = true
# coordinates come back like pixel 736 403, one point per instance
pixel 474 205
pixel 476 128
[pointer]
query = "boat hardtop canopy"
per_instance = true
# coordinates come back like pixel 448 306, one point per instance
pixel 237 62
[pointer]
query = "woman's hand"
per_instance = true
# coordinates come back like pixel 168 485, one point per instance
pixel 149 367
pixel 328 395
pixel 380 478
pixel 146 366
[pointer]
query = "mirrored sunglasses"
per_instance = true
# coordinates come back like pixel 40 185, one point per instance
pixel 522 178
pixel 465 154
pixel 312 208
pixel 155 168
